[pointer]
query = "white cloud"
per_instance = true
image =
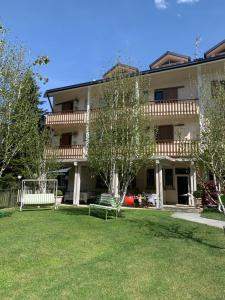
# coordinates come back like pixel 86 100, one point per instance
pixel 186 1
pixel 161 4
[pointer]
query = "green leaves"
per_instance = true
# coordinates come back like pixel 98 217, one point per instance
pixel 119 141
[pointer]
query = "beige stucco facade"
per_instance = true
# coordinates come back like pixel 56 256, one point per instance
pixel 191 81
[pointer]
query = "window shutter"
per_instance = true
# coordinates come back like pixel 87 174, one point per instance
pixel 165 133
pixel 66 139
pixel 171 94
pixel 67 106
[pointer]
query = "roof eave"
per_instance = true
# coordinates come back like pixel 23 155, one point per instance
pixel 151 71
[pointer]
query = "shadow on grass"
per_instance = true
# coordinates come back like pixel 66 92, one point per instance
pixel 84 211
pixel 37 209
pixel 173 231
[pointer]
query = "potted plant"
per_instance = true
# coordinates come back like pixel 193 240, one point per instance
pixel 198 197
pixel 59 197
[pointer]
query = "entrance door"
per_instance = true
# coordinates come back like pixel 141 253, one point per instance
pixel 182 189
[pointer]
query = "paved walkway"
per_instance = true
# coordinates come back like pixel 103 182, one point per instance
pixel 196 217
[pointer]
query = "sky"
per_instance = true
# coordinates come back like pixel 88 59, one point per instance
pixel 85 38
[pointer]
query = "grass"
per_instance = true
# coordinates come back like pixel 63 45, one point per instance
pixel 146 254
pixel 213 213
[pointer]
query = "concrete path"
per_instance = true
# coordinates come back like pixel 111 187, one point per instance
pixel 196 217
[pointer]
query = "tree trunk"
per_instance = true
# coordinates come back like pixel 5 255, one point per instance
pixel 221 207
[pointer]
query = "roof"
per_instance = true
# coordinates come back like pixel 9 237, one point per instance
pixel 214 47
pixel 134 69
pixel 188 58
pixel 151 71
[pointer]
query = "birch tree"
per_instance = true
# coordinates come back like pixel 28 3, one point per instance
pixel 121 137
pixel 211 155
pixel 18 118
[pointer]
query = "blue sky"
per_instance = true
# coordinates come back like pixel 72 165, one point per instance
pixel 84 38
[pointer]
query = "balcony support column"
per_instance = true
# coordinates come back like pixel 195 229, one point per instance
pixel 159 185
pixel 199 89
pixel 76 187
pixel 88 119
pixel 193 184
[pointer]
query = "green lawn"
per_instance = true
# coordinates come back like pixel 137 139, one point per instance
pixel 212 213
pixel 146 254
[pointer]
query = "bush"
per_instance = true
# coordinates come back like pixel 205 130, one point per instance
pixel 4 213
pixel 209 193
pixel 197 194
pixel 59 193
pixel 223 199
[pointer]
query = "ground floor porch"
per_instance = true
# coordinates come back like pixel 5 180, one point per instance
pixel 172 181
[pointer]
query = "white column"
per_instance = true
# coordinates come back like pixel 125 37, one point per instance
pixel 76 187
pixel 193 185
pixel 159 185
pixel 88 119
pixel 200 95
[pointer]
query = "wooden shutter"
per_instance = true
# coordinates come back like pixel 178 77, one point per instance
pixel 170 94
pixel 165 133
pixel 67 106
pixel 66 139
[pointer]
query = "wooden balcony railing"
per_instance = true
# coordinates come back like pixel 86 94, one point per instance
pixel 66 118
pixel 172 107
pixel 67 152
pixel 180 148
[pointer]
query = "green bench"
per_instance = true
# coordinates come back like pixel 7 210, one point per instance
pixel 108 203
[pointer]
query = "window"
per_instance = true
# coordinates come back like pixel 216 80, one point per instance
pixel 166 94
pixel 180 171
pixel 168 178
pixel 150 178
pixel 158 95
pixel 165 133
pixel 170 62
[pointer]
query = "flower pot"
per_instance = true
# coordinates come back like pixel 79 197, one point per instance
pixel 59 199
pixel 198 202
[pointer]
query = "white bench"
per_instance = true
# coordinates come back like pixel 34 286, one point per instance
pixel 107 203
pixel 37 199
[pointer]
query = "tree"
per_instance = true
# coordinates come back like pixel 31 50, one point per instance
pixel 121 138
pixel 211 155
pixel 21 133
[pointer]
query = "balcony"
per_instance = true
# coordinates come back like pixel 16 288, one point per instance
pixel 180 148
pixel 67 152
pixel 172 108
pixel 66 118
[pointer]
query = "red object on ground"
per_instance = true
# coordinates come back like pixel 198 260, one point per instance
pixel 129 200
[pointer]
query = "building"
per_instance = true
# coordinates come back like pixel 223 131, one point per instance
pixel 177 87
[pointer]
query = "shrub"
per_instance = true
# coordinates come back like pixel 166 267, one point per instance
pixel 209 193
pixel 4 213
pixel 197 194
pixel 59 193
